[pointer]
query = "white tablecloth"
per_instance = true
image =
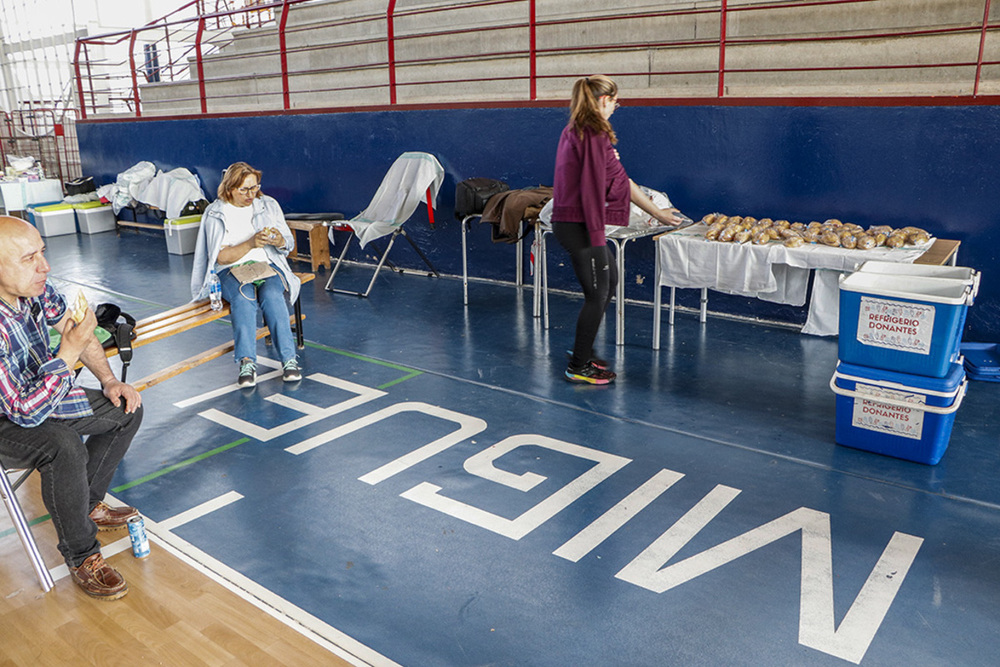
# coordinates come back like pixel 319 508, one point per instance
pixel 18 195
pixel 771 272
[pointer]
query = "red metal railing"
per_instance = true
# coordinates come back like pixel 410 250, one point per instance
pixel 191 38
pixel 47 135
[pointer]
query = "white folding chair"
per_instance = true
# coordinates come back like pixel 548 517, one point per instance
pixel 413 177
pixel 7 489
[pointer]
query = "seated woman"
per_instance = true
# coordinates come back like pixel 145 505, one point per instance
pixel 240 227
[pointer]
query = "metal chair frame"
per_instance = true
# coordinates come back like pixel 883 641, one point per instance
pixel 399 231
pixel 7 489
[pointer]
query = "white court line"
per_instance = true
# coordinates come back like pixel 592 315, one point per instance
pixel 312 413
pixel 230 388
pixel 199 511
pixel 340 644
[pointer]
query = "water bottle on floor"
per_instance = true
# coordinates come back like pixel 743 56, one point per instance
pixel 215 291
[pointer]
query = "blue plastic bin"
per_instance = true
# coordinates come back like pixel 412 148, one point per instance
pixel 908 324
pixel 897 414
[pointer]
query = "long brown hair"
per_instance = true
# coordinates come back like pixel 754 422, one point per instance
pixel 235 174
pixel 584 110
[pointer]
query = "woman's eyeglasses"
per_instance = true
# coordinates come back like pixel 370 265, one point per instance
pixel 252 190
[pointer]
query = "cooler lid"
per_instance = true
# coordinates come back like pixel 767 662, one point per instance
pixel 186 220
pixel 52 207
pixel 962 273
pixel 946 386
pixel 913 288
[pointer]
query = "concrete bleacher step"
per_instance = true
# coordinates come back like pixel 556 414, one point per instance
pixel 335 58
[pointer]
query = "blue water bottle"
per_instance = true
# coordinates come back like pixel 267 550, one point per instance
pixel 215 291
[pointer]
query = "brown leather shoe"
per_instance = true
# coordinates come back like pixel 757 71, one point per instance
pixel 98 579
pixel 109 518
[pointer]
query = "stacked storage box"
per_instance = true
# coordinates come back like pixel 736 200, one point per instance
pixel 93 217
pixel 53 219
pixel 182 234
pixel 982 361
pixel 900 379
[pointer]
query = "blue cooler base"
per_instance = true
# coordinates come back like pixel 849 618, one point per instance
pixel 906 433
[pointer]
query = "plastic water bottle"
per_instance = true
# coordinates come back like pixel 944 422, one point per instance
pixel 215 291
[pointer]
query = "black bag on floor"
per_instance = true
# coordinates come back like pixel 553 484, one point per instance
pixel 79 186
pixel 472 194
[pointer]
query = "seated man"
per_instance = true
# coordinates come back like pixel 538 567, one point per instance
pixel 43 416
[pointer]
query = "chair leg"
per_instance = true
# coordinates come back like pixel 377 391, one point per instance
pixel 340 260
pixel 24 530
pixel 371 283
pixel 420 252
pixel 300 339
pixel 465 263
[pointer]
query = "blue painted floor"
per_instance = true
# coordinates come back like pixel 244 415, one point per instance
pixel 434 490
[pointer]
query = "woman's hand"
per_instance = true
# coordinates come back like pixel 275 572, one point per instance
pixel 669 216
pixel 268 236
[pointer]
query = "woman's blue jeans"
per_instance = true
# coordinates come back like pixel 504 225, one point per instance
pixel 269 298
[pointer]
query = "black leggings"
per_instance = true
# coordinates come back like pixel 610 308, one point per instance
pixel 595 269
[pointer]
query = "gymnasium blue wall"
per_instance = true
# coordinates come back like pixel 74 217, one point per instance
pixel 928 166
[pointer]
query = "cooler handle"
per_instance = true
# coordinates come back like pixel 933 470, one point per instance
pixel 939 410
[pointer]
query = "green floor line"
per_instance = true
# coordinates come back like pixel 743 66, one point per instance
pixel 410 372
pixel 151 476
pixel 182 464
pixel 33 522
pixel 398 380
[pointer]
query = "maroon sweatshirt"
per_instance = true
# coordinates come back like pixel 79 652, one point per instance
pixel 590 184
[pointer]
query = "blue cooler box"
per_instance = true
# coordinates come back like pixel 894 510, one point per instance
pixel 897 414
pixel 908 324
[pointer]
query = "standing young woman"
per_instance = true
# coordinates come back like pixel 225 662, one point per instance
pixel 591 190
pixel 241 227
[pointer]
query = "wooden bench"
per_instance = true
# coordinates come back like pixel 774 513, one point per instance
pixel 315 225
pixel 195 314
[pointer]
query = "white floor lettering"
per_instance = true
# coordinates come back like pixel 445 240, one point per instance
pixel 816 614
pixel 481 465
pixel 312 413
pixel 605 525
pixel 650 569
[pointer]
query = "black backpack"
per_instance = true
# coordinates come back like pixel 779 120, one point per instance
pixel 121 326
pixel 472 194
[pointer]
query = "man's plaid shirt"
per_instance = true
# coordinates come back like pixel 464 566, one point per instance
pixel 34 385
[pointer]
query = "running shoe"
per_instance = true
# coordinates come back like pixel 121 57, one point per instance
pixel 590 374
pixel 291 371
pixel 595 361
pixel 248 374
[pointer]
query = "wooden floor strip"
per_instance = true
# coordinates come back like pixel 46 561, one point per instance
pixel 173 614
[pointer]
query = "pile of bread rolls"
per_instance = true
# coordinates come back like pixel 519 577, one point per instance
pixel 833 232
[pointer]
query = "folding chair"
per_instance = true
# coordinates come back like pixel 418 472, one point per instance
pixel 7 489
pixel 412 177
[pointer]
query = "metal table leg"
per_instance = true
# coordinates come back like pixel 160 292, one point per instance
pixel 620 291
pixel 657 300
